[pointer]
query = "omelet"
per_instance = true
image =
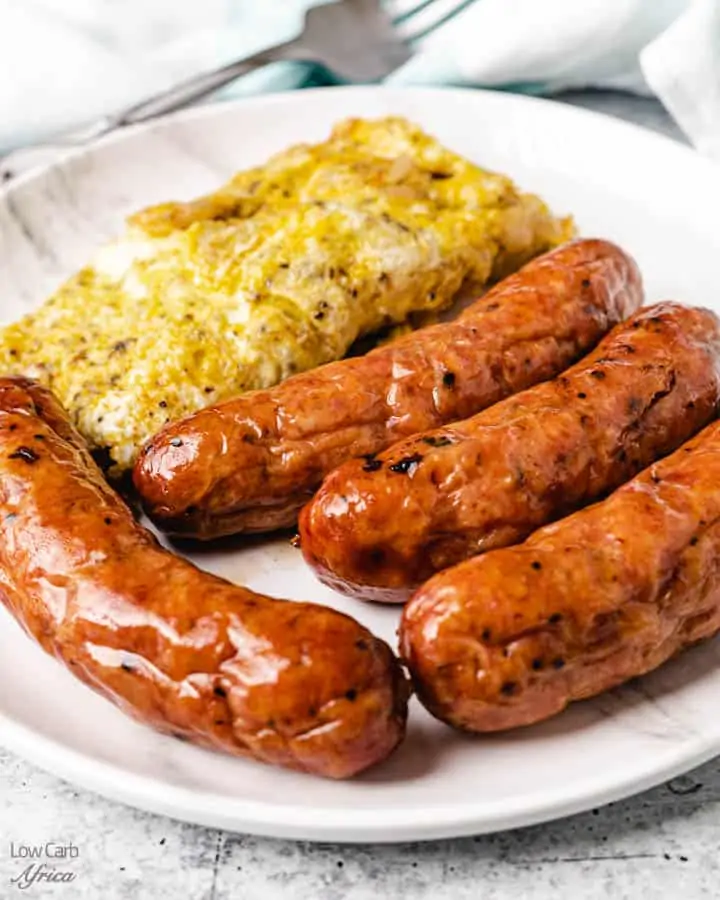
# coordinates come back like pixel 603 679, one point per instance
pixel 282 269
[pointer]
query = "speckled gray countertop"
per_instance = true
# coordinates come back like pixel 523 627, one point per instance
pixel 662 844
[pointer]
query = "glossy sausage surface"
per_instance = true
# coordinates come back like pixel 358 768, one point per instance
pixel 380 527
pixel 294 684
pixel 608 594
pixel 250 464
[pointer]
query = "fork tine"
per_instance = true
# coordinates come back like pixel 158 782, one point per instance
pixel 401 9
pixel 428 17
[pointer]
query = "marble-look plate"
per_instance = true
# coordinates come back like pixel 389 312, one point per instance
pixel 656 198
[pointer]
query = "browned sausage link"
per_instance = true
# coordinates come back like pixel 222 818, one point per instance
pixel 295 684
pixel 608 594
pixel 251 463
pixel 489 481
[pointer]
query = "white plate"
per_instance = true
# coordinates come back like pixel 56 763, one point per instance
pixel 657 199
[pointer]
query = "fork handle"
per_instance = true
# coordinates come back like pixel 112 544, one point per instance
pixel 189 91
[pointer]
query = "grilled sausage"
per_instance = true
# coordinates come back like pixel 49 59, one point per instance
pixel 295 684
pixel 610 593
pixel 431 501
pixel 250 464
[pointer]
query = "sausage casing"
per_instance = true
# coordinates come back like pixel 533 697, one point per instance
pixel 249 464
pixel 608 594
pixel 378 528
pixel 295 684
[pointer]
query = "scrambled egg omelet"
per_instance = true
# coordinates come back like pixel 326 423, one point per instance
pixel 280 270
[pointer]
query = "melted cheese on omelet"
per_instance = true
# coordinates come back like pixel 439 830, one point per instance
pixel 280 270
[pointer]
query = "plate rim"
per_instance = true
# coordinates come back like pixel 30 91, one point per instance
pixel 335 823
pixel 331 823
pixel 209 110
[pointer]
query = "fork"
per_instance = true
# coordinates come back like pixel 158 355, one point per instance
pixel 357 41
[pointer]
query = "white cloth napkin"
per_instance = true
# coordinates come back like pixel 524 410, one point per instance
pixel 64 62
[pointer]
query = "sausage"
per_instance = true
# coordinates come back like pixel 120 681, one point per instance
pixel 294 684
pixel 249 464
pixel 436 499
pixel 608 594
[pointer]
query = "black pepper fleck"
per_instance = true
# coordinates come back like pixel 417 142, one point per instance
pixel 176 442
pixel 582 395
pixel 536 565
pixel 555 618
pixel 598 373
pixel 537 664
pixel 219 691
pixel 437 441
pixel 558 663
pixel 508 689
pixel 351 694
pixel 407 464
pixel 26 454
pixel 449 379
